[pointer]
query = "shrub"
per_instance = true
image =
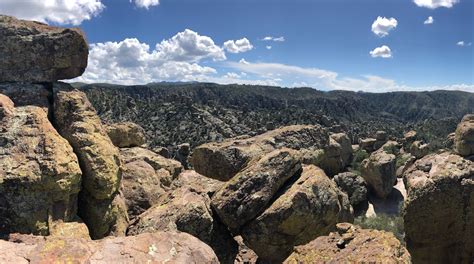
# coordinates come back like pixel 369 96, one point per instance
pixel 357 159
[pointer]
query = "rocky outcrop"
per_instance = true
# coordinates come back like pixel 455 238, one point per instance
pixel 78 122
pixel 39 173
pixel 381 138
pixel 126 134
pixel 336 156
pixel 160 247
pixel 250 191
pixel 146 176
pixel 36 52
pixel 439 214
pixel 367 144
pixel 223 160
pixel 464 136
pixel 351 244
pixel 379 172
pixel 353 185
pixel 188 210
pixel 419 149
pixel 28 94
pixel 309 208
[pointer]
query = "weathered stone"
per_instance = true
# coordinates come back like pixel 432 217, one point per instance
pixel 162 151
pixel 408 138
pixel 464 137
pixel 419 149
pixel 99 159
pixel 188 211
pixel 367 144
pixel 39 173
pixel 197 182
pixel 69 229
pixel 381 138
pixel 351 244
pixel 160 247
pixel 248 194
pixel 126 134
pixel 439 210
pixel 35 52
pixel 28 94
pixel 146 176
pixel 353 185
pixel 223 160
pixel 409 160
pixel 337 155
pixel 379 172
pixel 309 208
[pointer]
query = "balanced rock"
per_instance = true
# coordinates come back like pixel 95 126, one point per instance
pixel 77 121
pixel 309 208
pixel 381 138
pixel 353 185
pixel 439 210
pixel 379 172
pixel 223 160
pixel 351 244
pixel 336 156
pixel 160 247
pixel 367 144
pixel 39 173
pixel 248 194
pixel 35 52
pixel 146 176
pixel 464 137
pixel 187 210
pixel 126 134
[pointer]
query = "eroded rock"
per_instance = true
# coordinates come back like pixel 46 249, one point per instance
pixel 353 185
pixel 126 134
pixel 379 172
pixel 464 136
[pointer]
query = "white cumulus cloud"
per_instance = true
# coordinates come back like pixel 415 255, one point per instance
pixel 56 11
pixel 382 52
pixel 429 20
pixel 146 3
pixel 238 46
pixel 462 43
pixel 268 47
pixel 382 25
pixel 432 4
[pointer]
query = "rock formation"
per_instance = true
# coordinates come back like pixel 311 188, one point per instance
pixel 160 247
pixel 309 208
pixel 36 52
pixel 464 136
pixel 353 185
pixel 351 244
pixel 126 134
pixel 379 171
pixel 439 214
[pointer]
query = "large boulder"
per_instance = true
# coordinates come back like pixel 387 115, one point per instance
pixel 188 210
pixel 351 244
pixel 419 149
pixel 248 194
pixel 40 175
pixel 223 160
pixel 126 134
pixel 353 185
pixel 336 156
pixel 160 247
pixel 146 177
pixel 464 137
pixel 77 121
pixel 309 208
pixel 439 209
pixel 379 172
pixel 35 52
pixel 367 144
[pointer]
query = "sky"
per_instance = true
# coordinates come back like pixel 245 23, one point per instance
pixel 358 45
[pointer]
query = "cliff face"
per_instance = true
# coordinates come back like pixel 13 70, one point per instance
pixel 198 113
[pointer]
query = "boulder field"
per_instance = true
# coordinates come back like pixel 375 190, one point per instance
pixel 73 189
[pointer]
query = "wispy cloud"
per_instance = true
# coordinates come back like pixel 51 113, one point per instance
pixel 275 39
pixel 429 21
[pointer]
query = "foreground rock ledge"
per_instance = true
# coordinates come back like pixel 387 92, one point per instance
pixel 35 52
pixel 161 247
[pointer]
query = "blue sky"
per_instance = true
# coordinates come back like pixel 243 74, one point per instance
pixel 326 45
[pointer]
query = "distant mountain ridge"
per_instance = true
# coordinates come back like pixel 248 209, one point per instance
pixel 175 113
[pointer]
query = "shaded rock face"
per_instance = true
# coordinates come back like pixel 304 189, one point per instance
pixel 99 159
pixel 126 134
pixel 439 214
pixel 27 94
pixel 337 155
pixel 188 210
pixel 419 149
pixel 353 185
pixel 367 144
pixel 160 247
pixel 309 208
pixel 39 172
pixel 250 191
pixel 464 136
pixel 146 176
pixel 351 244
pixel 379 172
pixel 36 52
pixel 223 160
